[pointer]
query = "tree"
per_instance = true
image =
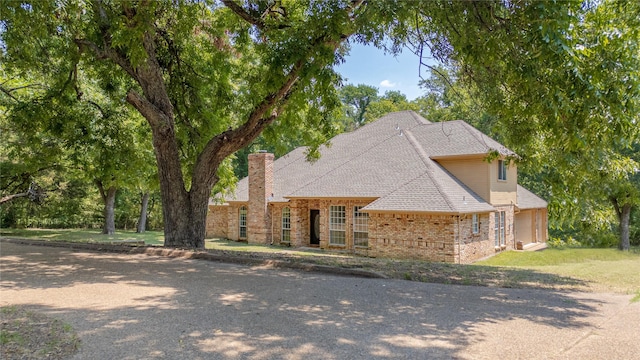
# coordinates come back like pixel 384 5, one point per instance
pixel 447 98
pixel 562 82
pixel 35 193
pixel 356 99
pixel 209 77
pixel 391 101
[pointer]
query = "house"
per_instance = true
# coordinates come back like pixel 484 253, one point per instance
pixel 399 187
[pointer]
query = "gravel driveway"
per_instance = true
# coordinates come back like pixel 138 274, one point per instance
pixel 146 307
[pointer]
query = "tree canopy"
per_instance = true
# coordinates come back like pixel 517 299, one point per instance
pixel 210 76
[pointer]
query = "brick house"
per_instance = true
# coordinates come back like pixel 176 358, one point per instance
pixel 398 187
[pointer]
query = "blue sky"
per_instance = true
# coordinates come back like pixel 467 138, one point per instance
pixel 371 66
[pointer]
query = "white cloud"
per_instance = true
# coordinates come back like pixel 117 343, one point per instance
pixel 387 84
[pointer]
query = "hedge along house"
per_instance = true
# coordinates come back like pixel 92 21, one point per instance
pixel 398 187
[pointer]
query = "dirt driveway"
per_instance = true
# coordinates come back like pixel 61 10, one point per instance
pixel 146 307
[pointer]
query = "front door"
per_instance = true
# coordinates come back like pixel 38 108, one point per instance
pixel 314 227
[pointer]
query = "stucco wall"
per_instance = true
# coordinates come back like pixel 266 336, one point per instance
pixel 472 172
pixel 531 226
pixel 503 192
pixel 525 226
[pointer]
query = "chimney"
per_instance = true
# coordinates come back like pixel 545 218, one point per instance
pixel 260 190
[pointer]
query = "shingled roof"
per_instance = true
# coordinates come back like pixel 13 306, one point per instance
pixel 390 161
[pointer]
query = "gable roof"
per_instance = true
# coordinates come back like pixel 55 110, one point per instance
pixel 390 160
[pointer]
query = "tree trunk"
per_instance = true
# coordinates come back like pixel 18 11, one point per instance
pixel 185 211
pixel 625 214
pixel 109 200
pixel 109 213
pixel 142 222
pixel 184 216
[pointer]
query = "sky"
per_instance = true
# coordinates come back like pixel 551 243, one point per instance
pixel 371 66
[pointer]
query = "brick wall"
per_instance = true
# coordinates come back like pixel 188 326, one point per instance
pixel 475 246
pixel 218 221
pixel 391 235
pixel 413 236
pixel 433 237
pixel 260 190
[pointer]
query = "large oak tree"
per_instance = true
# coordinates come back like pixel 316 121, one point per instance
pixel 210 76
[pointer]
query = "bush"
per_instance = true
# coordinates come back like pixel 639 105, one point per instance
pixel 557 242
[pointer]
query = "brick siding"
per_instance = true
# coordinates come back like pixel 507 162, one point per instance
pixel 391 235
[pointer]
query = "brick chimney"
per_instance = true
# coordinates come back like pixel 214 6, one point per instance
pixel 260 190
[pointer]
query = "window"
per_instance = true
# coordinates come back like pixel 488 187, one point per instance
pixel 242 221
pixel 286 225
pixel 360 227
pixel 502 170
pixel 499 229
pixel 502 233
pixel 337 222
pixel 496 229
pixel 475 224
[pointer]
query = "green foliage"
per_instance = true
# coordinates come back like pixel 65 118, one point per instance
pixel 564 95
pixel 391 101
pixel 355 101
pixel 558 242
pixel 559 79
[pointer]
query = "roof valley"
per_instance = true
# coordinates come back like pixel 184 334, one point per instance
pixel 429 165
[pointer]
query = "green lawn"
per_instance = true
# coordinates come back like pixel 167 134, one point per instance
pixel 149 237
pixel 607 270
pixel 600 270
pixel 85 235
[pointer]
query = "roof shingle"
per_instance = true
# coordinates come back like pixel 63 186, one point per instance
pixel 391 160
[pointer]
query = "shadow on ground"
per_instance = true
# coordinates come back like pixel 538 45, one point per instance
pixel 137 307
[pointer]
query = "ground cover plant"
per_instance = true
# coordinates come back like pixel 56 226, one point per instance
pixel 26 334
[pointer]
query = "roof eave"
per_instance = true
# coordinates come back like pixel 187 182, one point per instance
pixel 424 212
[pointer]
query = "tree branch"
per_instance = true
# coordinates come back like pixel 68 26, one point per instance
pixel 101 189
pixel 107 54
pixel 155 117
pixel 240 11
pixel 12 197
pixel 8 93
pixel 616 206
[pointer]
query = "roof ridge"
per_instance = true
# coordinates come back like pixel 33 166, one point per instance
pixel 428 164
pixel 479 138
pixel 482 137
pixel 418 118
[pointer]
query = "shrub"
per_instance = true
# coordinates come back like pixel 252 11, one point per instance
pixel 558 242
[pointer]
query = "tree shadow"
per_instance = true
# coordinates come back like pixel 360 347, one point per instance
pixel 137 306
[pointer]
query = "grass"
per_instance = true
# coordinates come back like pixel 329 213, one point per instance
pixel 85 235
pixel 604 270
pixel 599 270
pixel 26 334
